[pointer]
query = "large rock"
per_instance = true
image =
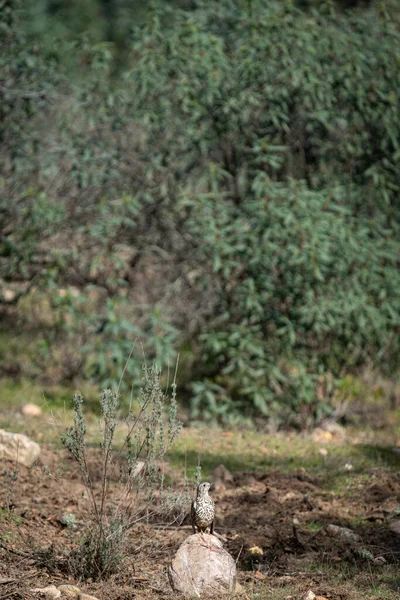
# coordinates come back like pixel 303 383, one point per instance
pixel 202 567
pixel 18 447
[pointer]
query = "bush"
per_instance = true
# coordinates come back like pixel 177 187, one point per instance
pixel 307 292
pixel 269 133
pixel 147 439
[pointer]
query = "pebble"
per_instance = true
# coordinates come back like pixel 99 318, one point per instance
pixel 31 410
pixel 345 534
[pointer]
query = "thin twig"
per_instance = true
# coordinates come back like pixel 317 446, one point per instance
pixel 13 551
pixel 126 364
pixel 238 556
pixel 13 580
pixel 22 93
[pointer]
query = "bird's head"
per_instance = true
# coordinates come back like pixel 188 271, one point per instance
pixel 203 488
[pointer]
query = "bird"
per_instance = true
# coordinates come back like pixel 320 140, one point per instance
pixel 203 509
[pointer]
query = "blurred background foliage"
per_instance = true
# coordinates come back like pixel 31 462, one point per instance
pixel 218 178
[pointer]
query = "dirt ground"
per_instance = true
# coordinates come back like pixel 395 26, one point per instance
pixel 273 521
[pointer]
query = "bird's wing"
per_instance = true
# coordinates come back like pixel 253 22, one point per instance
pixel 193 511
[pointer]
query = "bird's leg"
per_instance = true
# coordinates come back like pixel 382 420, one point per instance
pixel 207 543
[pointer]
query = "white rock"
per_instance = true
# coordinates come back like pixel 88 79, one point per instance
pixel 69 591
pixel 18 447
pixel 309 595
pixel 348 467
pixel 202 567
pixel 9 295
pixel 31 410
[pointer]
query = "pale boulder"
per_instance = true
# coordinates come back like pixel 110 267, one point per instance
pixel 18 448
pixel 202 568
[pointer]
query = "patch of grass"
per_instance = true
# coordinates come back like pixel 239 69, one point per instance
pixel 254 451
pixel 16 393
pixel 312 527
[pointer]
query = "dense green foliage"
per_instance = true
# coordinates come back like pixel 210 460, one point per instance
pixel 230 189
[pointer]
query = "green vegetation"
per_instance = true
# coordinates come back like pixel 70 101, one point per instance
pixel 214 178
pixel 146 441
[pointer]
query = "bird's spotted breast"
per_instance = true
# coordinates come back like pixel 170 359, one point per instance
pixel 204 512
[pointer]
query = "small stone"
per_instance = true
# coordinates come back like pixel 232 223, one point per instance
pixel 69 591
pixel 343 533
pixel 309 595
pixel 31 410
pixel 9 295
pixel 50 592
pixel 395 527
pixel 221 477
pixel 18 448
pixel 86 597
pixel 348 467
pixel 379 560
pixel 323 452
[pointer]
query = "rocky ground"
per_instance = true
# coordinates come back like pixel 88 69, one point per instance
pixel 300 514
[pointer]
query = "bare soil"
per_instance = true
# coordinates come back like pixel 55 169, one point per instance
pixel 273 523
